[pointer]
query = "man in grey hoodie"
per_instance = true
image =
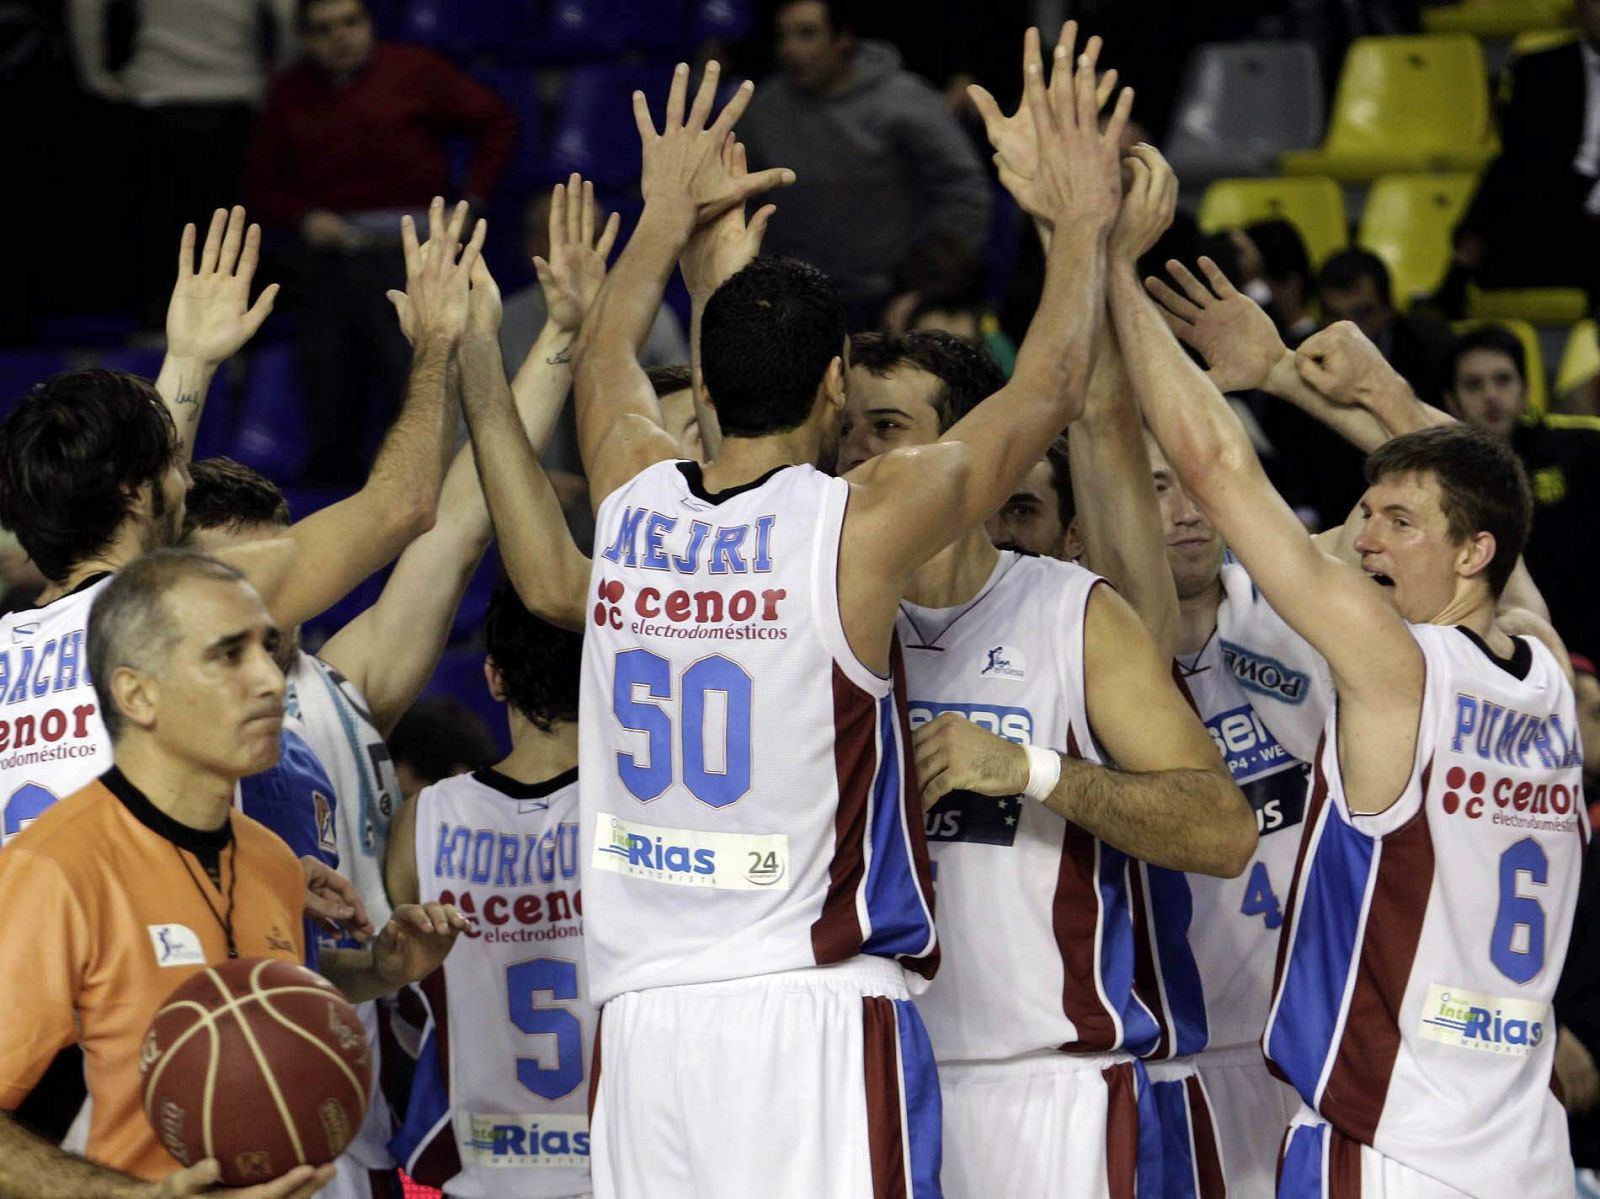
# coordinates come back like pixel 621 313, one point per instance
pixel 878 158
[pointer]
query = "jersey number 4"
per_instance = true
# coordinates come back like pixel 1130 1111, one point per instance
pixel 1260 899
pixel 560 979
pixel 714 726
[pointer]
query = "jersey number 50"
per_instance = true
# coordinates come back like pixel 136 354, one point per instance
pixel 714 726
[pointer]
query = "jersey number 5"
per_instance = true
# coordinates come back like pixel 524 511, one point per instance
pixel 560 978
pixel 714 726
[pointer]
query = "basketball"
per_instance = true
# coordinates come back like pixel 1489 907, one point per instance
pixel 258 1063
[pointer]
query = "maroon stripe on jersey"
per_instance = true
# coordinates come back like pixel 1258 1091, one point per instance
pixel 836 934
pixel 1344 1166
pixel 1146 982
pixel 1319 800
pixel 1122 1130
pixel 1358 1084
pixel 440 1159
pixel 911 799
pixel 886 1145
pixel 1207 1157
pixel 594 1065
pixel 1075 918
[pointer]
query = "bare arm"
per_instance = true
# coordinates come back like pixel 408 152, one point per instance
pixel 210 317
pixel 400 857
pixel 1376 663
pixel 1169 801
pixel 907 505
pixel 410 947
pixel 686 183
pixel 322 557
pixel 544 564
pixel 31 1168
pixel 1118 515
pixel 391 650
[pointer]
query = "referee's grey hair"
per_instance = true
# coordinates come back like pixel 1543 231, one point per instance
pixel 130 624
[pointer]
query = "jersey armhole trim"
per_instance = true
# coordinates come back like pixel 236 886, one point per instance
pixel 825 560
pixel 1412 796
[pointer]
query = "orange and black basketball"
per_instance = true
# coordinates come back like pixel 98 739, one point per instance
pixel 258 1063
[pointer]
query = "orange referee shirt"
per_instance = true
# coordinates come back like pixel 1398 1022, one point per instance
pixel 109 908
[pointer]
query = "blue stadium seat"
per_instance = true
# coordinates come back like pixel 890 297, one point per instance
pixel 20 370
pixel 519 88
pixel 271 434
pixel 595 134
pixel 725 20
pixel 582 31
pixel 505 29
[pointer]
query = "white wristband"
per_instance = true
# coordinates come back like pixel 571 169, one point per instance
pixel 1044 772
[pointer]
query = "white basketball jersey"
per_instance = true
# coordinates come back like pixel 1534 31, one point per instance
pixel 339 729
pixel 499 1105
pixel 52 738
pixel 746 806
pixel 1413 1003
pixel 1210 944
pixel 1034 913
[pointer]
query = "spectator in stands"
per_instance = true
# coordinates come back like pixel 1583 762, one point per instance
pixel 1354 286
pixel 1286 270
pixel 1535 220
pixel 192 78
pixel 940 286
pixel 439 738
pixel 348 140
pixel 1488 389
pixel 879 159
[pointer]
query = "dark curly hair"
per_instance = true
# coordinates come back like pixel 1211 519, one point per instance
pixel 230 495
pixel 73 454
pixel 968 374
pixel 766 339
pixel 538 662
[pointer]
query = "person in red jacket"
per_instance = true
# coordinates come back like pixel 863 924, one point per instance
pixel 349 139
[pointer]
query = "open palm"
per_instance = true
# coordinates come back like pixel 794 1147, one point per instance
pixel 210 317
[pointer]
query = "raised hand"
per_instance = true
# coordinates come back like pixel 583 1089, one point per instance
pixel 1237 339
pixel 1343 366
pixel 721 248
pixel 684 164
pixel 210 317
pixel 1149 200
pixel 484 307
pixel 576 268
pixel 436 295
pixel 1015 138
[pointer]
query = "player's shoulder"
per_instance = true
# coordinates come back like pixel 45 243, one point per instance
pixel 488 785
pixel 1041 578
pixel 72 831
pixel 76 602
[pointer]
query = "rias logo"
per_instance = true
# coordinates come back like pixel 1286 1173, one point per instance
pixel 1483 1023
pixel 691 857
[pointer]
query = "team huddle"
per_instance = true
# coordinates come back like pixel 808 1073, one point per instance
pixel 904 799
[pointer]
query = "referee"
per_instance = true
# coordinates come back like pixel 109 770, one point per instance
pixel 148 875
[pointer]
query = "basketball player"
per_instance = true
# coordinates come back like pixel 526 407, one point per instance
pixel 1009 643
pixel 349 695
pixel 1038 517
pixel 1442 843
pixel 147 875
pixel 779 836
pixel 499 1109
pixel 93 472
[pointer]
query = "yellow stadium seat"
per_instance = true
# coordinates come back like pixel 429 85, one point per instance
pixel 1313 206
pixel 1538 391
pixel 1541 40
pixel 1580 360
pixel 1541 305
pixel 1405 104
pixel 1497 18
pixel 1407 222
